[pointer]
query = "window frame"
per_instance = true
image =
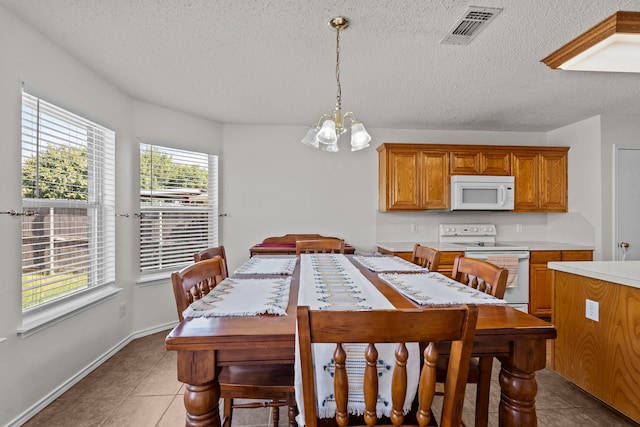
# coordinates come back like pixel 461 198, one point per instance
pixel 99 141
pixel 152 276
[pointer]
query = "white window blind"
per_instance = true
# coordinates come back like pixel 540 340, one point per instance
pixel 68 193
pixel 178 202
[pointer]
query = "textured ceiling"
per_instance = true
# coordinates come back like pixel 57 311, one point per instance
pixel 272 62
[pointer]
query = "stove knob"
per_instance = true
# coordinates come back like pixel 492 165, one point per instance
pixel 475 229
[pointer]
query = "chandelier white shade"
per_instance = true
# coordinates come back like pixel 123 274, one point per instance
pixel 325 132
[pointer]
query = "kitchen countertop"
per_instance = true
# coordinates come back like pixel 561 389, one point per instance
pixel 622 272
pixel 451 247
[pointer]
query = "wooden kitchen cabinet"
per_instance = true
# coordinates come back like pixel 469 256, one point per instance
pixel 484 161
pixel 541 278
pixel 541 179
pixel 412 177
pixel 416 177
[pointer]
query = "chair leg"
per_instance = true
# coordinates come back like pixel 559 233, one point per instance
pixel 293 412
pixel 482 391
pixel 275 414
pixel 227 412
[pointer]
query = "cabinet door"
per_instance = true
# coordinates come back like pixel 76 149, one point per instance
pixel 541 282
pixel 465 162
pixel 524 166
pixel 480 162
pixel 495 163
pixel 553 182
pixel 403 185
pixel 435 180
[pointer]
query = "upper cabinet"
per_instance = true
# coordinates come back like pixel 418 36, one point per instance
pixel 541 179
pixel 412 177
pixel 416 177
pixel 479 161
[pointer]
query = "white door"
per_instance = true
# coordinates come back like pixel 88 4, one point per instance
pixel 627 204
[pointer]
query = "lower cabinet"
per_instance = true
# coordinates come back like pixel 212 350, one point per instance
pixel 541 278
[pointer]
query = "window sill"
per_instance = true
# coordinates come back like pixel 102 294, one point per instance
pixel 36 322
pixel 158 277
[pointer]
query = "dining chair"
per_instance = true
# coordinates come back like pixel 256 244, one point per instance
pixel 210 253
pixel 319 246
pixel 454 324
pixel 426 257
pixel 266 385
pixel 491 279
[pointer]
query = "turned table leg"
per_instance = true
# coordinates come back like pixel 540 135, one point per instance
pixel 518 383
pixel 198 370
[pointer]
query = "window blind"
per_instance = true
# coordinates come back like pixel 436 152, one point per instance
pixel 178 203
pixel 68 184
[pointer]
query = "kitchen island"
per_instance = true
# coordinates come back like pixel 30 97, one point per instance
pixel 596 310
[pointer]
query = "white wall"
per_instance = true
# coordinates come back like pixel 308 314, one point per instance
pixel 37 365
pixel 622 131
pixel 583 223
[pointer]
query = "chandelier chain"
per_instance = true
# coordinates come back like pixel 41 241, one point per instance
pixel 339 94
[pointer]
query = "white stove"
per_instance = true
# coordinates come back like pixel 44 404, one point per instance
pixel 476 237
pixel 479 241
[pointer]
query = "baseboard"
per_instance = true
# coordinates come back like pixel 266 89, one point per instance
pixel 46 400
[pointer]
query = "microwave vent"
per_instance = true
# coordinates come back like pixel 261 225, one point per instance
pixel 474 20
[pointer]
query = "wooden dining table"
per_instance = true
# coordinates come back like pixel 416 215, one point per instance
pixel 205 344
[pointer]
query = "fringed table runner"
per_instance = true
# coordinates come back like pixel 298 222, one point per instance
pixel 388 263
pixel 263 265
pixel 243 297
pixel 331 282
pixel 436 289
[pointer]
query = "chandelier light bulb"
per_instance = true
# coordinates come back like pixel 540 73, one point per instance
pixel 327 134
pixel 360 138
pixel 310 138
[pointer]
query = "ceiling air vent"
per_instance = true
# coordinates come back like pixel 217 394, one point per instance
pixel 474 20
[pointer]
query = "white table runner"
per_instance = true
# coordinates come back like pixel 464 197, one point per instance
pixel 388 263
pixel 331 282
pixel 436 289
pixel 243 297
pixel 263 265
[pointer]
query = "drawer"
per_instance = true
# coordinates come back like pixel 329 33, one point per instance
pixel 543 257
pixel 577 256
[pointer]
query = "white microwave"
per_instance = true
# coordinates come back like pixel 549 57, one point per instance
pixel 482 193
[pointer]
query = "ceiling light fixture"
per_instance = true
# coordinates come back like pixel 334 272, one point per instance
pixel 325 132
pixel 612 45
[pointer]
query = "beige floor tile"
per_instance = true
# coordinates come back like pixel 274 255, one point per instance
pixel 175 414
pixel 82 412
pixel 139 411
pixel 158 383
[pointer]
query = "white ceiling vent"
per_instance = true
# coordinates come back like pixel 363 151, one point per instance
pixel 474 20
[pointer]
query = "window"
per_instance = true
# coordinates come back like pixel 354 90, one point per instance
pixel 68 201
pixel 178 205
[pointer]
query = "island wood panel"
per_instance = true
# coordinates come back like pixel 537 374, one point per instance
pixel 603 357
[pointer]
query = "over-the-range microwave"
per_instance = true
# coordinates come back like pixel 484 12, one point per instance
pixel 482 193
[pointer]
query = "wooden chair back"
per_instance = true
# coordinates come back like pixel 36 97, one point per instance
pixel 210 253
pixel 455 324
pixel 481 275
pixel 195 281
pixel 319 246
pixel 426 257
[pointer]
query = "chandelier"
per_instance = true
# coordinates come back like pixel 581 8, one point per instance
pixel 325 132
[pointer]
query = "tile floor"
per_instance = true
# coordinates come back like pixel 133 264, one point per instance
pixel 138 387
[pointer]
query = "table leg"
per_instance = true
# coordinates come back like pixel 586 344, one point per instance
pixel 518 383
pixel 197 369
